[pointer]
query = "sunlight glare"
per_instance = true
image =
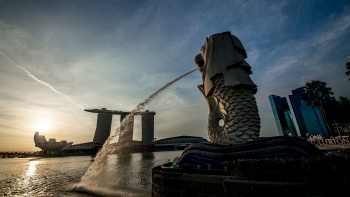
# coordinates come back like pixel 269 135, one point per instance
pixel 42 125
pixel 32 168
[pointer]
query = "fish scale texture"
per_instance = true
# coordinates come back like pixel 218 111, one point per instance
pixel 240 115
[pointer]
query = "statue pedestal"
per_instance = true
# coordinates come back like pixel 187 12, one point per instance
pixel 269 167
pixel 167 181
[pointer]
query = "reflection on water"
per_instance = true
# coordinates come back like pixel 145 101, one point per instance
pixel 28 178
pixel 126 174
pixel 118 163
pixel 32 168
pixel 40 176
pixel 132 170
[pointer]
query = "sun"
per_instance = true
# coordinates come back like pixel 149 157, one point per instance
pixel 42 125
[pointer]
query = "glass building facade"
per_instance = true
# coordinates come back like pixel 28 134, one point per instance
pixel 283 116
pixel 308 119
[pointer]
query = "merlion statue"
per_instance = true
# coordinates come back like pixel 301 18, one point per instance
pixel 229 90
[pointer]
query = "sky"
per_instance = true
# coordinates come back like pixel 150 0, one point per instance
pixel 58 58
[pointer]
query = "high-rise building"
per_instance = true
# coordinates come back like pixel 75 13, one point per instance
pixel 283 116
pixel 306 119
pixel 310 119
pixel 126 128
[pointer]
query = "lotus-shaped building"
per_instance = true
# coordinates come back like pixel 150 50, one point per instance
pixel 51 145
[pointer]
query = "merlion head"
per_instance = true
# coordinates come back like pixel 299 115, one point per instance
pixel 223 53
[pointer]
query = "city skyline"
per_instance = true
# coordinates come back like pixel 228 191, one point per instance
pixel 58 58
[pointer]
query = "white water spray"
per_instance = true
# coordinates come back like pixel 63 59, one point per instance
pixel 92 177
pixel 41 82
pixel 144 103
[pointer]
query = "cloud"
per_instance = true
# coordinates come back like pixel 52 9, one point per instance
pixel 42 82
pixel 307 53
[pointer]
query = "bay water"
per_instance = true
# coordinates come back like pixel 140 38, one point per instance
pixel 124 174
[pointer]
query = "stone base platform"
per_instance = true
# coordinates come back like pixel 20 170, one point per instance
pixel 168 182
pixel 177 182
pixel 276 166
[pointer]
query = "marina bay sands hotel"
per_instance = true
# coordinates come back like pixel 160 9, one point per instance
pixel 124 131
pixel 104 122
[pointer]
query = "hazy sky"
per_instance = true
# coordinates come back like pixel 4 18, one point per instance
pixel 60 57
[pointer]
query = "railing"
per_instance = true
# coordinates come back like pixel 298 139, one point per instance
pixel 11 154
pixel 319 140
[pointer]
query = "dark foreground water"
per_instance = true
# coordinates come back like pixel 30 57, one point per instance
pixel 123 175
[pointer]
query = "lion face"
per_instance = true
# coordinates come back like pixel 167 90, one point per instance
pixel 199 59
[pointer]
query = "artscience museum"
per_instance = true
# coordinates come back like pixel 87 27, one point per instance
pixel 51 145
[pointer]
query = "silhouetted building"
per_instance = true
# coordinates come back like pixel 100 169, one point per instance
pixel 306 119
pixel 126 129
pixel 147 127
pixel 296 102
pixel 283 116
pixel 177 143
pixel 51 145
pixel 103 128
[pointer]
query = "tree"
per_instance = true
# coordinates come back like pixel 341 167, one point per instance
pixel 343 113
pixel 317 94
pixel 343 102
